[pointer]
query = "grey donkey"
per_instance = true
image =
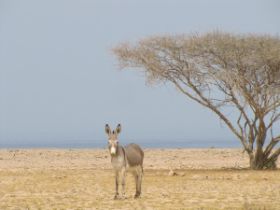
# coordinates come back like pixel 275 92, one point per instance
pixel 125 159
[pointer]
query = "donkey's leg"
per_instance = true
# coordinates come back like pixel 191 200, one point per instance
pixel 138 182
pixel 140 175
pixel 135 174
pixel 117 184
pixel 123 175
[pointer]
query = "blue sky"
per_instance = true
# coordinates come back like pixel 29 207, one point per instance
pixel 59 80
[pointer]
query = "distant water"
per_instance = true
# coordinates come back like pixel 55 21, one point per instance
pixel 103 143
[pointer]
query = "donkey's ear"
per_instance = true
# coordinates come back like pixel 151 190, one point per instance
pixel 107 129
pixel 119 128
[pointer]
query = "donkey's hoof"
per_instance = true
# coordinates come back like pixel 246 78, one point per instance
pixel 136 196
pixel 116 197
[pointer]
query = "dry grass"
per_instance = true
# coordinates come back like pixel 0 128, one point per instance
pixel 69 186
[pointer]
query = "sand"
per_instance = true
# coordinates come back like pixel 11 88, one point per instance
pixel 83 179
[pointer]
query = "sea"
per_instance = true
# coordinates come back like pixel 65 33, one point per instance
pixel 102 143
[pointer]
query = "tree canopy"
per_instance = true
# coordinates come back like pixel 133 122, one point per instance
pixel 220 71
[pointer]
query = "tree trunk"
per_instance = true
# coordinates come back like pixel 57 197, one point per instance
pixel 259 161
pixel 258 158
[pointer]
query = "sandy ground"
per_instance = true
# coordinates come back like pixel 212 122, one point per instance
pixel 83 179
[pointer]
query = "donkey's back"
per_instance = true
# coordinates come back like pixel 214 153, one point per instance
pixel 134 155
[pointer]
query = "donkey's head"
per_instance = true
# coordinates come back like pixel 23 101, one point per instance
pixel 113 138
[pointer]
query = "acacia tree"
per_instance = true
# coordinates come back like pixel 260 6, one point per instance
pixel 222 72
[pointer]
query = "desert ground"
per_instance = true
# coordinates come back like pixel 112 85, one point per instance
pixel 173 179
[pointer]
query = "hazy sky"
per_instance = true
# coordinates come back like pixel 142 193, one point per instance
pixel 60 82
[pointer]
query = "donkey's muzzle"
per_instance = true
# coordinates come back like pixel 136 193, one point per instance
pixel 113 150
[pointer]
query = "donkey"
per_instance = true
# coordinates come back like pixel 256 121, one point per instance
pixel 129 158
